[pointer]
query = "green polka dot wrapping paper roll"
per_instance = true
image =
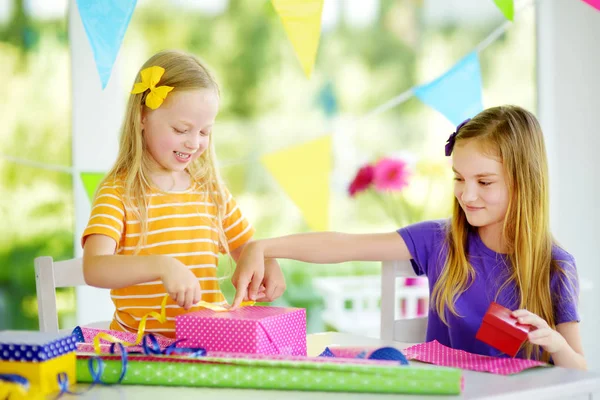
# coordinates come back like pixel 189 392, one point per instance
pixel 275 374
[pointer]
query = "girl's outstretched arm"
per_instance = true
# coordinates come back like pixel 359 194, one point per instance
pixel 317 248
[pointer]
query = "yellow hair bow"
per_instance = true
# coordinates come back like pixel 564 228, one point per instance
pixel 150 78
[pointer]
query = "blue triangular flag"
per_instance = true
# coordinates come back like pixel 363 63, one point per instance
pixel 457 93
pixel 105 23
pixel 326 353
pixel 327 100
pixel 362 354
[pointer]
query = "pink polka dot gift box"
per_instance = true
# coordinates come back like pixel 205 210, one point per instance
pixel 250 330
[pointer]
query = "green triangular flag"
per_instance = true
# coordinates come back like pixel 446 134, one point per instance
pixel 507 7
pixel 90 181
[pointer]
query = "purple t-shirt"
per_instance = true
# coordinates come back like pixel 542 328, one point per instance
pixel 426 243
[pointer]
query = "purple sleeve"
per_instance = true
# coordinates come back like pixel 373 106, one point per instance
pixel 424 241
pixel 565 290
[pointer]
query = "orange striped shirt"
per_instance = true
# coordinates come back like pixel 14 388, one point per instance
pixel 180 225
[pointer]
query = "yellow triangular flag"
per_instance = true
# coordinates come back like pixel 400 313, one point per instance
pixel 303 172
pixel 302 22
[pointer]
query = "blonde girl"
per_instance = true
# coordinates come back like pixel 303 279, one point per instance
pixel 162 216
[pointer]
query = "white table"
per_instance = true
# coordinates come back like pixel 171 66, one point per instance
pixel 541 383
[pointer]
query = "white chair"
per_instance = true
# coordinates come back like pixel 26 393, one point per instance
pixel 351 303
pixel 362 305
pixel 408 330
pixel 50 275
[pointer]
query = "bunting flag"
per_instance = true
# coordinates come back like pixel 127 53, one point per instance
pixel 507 7
pixel 327 100
pixel 593 3
pixel 303 171
pixel 105 23
pixel 91 181
pixel 457 93
pixel 302 22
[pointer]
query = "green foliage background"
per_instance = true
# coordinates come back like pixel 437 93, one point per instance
pixel 267 104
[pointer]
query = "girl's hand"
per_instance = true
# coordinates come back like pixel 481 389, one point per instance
pixel 542 335
pixel 249 273
pixel 181 283
pixel 273 282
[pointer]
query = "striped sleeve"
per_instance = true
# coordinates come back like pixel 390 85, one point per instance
pixel 108 214
pixel 236 227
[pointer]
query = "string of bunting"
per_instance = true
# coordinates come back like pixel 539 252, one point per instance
pixel 456 94
pixel 397 100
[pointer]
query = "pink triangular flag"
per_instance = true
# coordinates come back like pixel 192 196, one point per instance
pixel 593 3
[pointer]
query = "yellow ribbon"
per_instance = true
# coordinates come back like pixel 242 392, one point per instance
pixel 12 390
pixel 217 308
pixel 150 78
pixel 15 391
pixel 162 318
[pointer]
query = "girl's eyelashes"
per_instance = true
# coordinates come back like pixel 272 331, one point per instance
pixel 482 183
pixel 184 131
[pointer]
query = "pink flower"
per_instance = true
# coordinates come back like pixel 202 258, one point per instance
pixel 390 174
pixel 362 180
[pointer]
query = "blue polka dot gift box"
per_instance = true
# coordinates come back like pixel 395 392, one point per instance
pixel 39 357
pixel 31 346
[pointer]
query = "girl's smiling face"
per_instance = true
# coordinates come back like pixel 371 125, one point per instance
pixel 480 185
pixel 178 132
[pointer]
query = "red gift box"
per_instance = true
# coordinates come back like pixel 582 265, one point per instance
pixel 501 330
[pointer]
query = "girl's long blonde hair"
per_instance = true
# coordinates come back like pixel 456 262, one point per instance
pixel 513 135
pixel 183 72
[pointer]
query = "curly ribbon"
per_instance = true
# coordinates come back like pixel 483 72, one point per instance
pixel 13 386
pixel 382 353
pixel 123 360
pixel 217 308
pixel 63 379
pixel 16 387
pixel 151 347
pixel 162 318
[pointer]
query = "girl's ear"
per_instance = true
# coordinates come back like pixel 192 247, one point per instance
pixel 143 117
